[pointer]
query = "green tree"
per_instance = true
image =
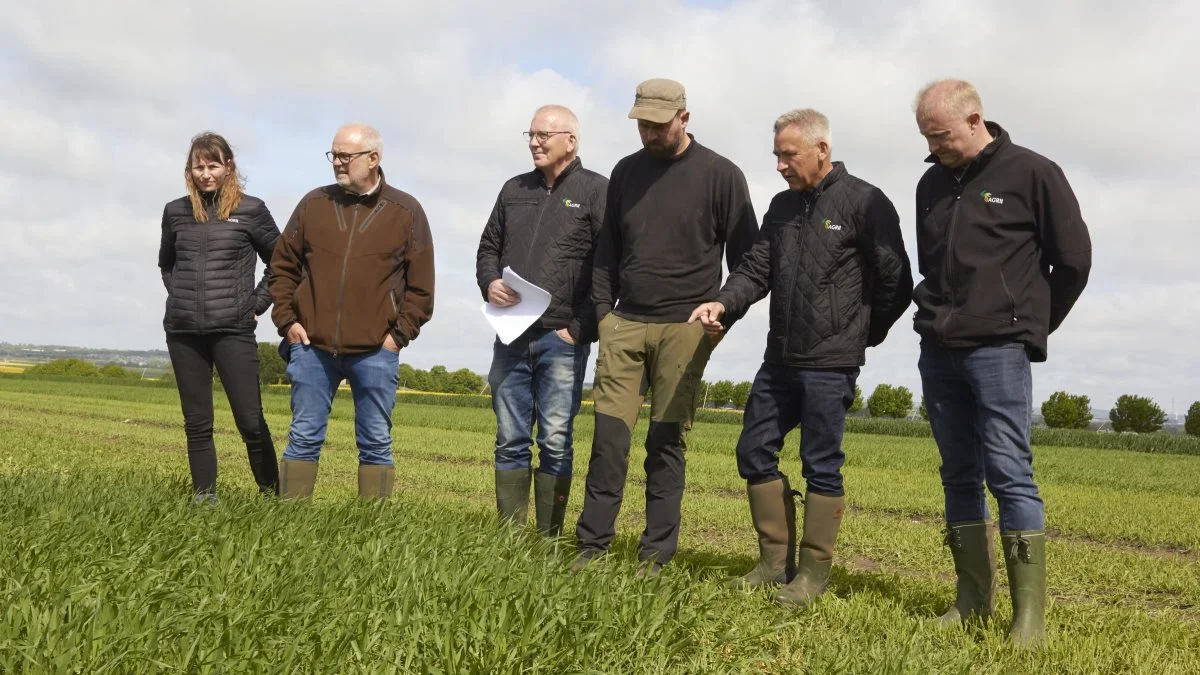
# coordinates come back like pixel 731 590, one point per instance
pixel 115 371
pixel 721 393
pixel 889 401
pixel 463 381
pixel 439 379
pixel 1136 413
pixel 68 367
pixel 271 368
pixel 1191 423
pixel 858 400
pixel 408 376
pixel 741 393
pixel 1067 411
pixel 923 410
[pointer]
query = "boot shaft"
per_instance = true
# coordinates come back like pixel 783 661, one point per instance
pixel 297 479
pixel 375 481
pixel 971 544
pixel 822 519
pixel 550 496
pixel 1025 560
pixel 512 495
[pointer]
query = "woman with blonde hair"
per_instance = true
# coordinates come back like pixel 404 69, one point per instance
pixel 210 239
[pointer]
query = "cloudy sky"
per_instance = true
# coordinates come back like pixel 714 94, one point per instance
pixel 98 102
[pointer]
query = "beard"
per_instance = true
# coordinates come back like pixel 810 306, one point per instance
pixel 342 179
pixel 664 148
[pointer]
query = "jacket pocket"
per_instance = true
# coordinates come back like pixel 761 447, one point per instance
pixel 834 328
pixel 1012 302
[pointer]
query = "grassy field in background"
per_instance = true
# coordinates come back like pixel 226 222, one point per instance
pixel 104 567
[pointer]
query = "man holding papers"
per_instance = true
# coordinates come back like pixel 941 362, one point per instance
pixel 542 232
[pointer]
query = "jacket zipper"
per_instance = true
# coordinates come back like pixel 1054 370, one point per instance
pixel 951 282
pixel 337 331
pixel 787 318
pixel 1011 300
pixel 202 268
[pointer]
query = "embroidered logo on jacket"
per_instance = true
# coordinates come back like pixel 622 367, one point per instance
pixel 830 225
pixel 988 198
pixel 572 205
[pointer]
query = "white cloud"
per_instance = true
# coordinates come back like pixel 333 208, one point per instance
pixel 98 103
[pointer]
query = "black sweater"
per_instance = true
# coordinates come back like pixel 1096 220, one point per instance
pixel 666 224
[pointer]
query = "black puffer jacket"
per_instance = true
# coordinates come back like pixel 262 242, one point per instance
pixel 208 268
pixel 833 260
pixel 547 236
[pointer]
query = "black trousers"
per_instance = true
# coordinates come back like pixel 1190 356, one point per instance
pixel 235 356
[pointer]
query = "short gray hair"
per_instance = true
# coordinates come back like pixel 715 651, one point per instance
pixel 371 139
pixel 564 114
pixel 813 125
pixel 957 98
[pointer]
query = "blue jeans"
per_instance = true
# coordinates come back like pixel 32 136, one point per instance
pixel 980 403
pixel 783 397
pixel 539 377
pixel 315 375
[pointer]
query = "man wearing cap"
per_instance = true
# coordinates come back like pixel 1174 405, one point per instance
pixel 674 207
pixel 1004 253
pixel 544 227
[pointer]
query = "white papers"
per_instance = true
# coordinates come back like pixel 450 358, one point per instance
pixel 510 322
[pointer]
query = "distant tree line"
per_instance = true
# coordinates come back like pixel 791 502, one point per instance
pixel 1062 410
pixel 81 368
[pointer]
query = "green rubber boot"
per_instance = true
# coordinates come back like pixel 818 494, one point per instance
pixel 773 512
pixel 971 544
pixel 822 518
pixel 1025 558
pixel 550 495
pixel 512 496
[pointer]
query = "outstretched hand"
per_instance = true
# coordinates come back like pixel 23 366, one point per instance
pixel 709 314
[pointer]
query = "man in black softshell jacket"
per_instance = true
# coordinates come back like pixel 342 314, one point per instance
pixel 1004 253
pixel 831 255
pixel 544 227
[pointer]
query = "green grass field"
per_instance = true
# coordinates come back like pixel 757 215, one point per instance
pixel 104 566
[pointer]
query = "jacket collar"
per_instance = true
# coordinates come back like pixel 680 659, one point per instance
pixel 368 198
pixel 570 169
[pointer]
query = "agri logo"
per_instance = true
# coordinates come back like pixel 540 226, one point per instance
pixel 988 198
pixel 830 225
pixel 572 205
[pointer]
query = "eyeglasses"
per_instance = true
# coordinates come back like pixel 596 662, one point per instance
pixel 344 157
pixel 541 136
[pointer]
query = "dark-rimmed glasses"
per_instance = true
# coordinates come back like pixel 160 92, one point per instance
pixel 344 157
pixel 541 136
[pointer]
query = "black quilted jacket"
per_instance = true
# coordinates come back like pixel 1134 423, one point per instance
pixel 833 261
pixel 208 268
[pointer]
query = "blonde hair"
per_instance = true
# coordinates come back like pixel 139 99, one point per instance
pixel 213 147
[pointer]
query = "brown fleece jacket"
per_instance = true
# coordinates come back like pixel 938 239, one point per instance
pixel 352 268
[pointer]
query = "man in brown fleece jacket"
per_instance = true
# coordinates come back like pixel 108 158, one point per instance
pixel 352 282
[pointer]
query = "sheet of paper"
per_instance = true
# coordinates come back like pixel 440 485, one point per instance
pixel 510 322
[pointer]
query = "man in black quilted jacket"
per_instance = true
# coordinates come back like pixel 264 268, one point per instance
pixel 831 255
pixel 544 227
